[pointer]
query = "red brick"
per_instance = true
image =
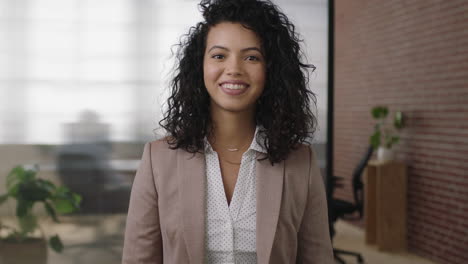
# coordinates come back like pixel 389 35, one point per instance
pixel 411 56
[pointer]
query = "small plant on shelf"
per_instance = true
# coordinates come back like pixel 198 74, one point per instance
pixel 384 136
pixel 28 190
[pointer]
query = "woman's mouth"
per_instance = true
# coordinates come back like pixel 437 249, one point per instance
pixel 234 88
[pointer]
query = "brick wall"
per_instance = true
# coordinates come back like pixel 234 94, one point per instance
pixel 411 56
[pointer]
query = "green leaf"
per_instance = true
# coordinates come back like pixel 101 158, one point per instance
pixel 20 175
pixel 51 211
pixel 62 192
pixel 32 191
pixel 77 200
pixel 64 206
pixel 46 185
pixel 56 244
pixel 66 201
pixel 28 223
pixel 28 175
pixel 23 207
pixel 391 140
pixel 398 122
pixel 13 177
pixel 375 139
pixel 379 112
pixel 13 191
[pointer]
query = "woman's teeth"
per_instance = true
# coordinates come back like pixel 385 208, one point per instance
pixel 233 86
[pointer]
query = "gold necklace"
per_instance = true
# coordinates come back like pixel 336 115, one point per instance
pixel 230 148
pixel 233 149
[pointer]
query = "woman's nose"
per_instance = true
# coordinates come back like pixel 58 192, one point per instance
pixel 234 67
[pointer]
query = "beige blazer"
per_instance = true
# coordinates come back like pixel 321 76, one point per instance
pixel 166 216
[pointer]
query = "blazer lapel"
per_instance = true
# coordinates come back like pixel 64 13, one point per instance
pixel 193 178
pixel 269 192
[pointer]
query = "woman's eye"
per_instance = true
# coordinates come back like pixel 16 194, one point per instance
pixel 253 58
pixel 217 56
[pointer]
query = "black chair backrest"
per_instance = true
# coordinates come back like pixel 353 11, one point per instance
pixel 358 190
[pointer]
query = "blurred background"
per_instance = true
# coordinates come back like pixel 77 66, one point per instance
pixel 83 86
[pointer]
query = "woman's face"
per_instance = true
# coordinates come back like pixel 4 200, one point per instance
pixel 233 67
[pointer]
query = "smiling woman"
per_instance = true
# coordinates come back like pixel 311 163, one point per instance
pixel 233 68
pixel 234 180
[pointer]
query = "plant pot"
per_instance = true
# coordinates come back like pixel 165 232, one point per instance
pixel 385 154
pixel 31 251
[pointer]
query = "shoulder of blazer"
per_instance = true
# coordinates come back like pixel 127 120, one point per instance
pixel 303 154
pixel 164 159
pixel 304 160
pixel 161 156
pixel 160 145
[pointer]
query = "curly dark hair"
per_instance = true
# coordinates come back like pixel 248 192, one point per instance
pixel 283 109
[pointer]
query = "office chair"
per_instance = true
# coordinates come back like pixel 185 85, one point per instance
pixel 343 209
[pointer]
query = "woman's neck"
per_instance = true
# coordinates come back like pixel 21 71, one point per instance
pixel 232 129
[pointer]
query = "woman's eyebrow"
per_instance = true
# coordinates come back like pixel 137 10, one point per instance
pixel 252 48
pixel 242 50
pixel 218 47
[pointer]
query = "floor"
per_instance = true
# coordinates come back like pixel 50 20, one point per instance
pixel 350 237
pixel 98 239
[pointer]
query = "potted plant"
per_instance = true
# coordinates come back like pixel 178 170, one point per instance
pixel 22 245
pixel 384 137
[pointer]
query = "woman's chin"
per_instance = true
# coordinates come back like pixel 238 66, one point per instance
pixel 234 107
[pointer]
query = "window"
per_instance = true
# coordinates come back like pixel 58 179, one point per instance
pixel 78 70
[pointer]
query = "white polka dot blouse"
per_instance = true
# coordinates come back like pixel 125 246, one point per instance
pixel 231 229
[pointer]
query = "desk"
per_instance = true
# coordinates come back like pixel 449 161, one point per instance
pixel 385 205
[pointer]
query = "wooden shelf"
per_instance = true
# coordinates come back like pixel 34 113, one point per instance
pixel 385 205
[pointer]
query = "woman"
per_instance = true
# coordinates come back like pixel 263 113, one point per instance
pixel 233 182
